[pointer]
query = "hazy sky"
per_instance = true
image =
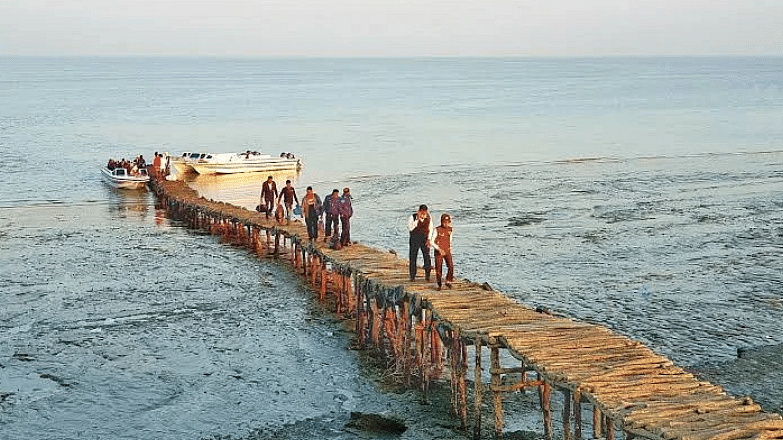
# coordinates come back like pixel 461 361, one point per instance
pixel 391 27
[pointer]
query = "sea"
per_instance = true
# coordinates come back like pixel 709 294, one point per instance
pixel 644 194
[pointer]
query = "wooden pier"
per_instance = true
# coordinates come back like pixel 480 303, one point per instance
pixel 623 386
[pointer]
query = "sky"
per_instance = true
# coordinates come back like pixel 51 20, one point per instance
pixel 391 28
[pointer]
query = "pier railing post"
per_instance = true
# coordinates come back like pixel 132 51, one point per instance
pixel 494 356
pixel 478 387
pixel 545 391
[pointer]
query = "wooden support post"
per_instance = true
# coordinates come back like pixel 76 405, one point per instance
pixel 544 392
pixel 426 353
pixel 375 315
pixel 463 385
pixel 277 245
pixel 350 294
pixel 359 329
pixel 324 281
pixel 597 419
pixel 578 414
pixel 478 390
pixel 497 396
pixel 566 414
pixel 609 428
pixel 452 354
pixel 314 270
pixel 436 344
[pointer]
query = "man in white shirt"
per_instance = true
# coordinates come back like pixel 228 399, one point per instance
pixel 422 233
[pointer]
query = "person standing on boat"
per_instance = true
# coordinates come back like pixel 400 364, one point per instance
pixel 268 195
pixel 288 195
pixel 422 233
pixel 442 245
pixel 346 212
pixel 329 201
pixel 311 207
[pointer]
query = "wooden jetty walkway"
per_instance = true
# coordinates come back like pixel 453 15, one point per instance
pixel 624 386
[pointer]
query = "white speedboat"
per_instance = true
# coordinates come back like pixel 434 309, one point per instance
pixel 121 179
pixel 231 163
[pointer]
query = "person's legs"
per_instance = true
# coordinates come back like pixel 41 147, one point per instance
pixel 270 206
pixel 336 228
pixel 450 274
pixel 312 226
pixel 427 261
pixel 413 254
pixel 439 268
pixel 345 237
pixel 328 226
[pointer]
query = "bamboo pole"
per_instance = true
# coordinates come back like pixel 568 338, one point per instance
pixel 544 392
pixel 478 390
pixel 497 396
pixel 566 414
pixel 578 414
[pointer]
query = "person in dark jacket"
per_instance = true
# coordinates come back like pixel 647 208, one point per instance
pixel 288 196
pixel 421 234
pixel 345 212
pixel 331 218
pixel 268 195
pixel 311 207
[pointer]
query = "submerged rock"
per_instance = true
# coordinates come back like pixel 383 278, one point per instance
pixel 375 423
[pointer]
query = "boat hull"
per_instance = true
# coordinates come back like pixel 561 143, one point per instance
pixel 232 163
pixel 271 164
pixel 124 181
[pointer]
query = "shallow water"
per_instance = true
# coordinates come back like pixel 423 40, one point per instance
pixel 640 194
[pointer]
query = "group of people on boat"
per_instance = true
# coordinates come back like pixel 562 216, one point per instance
pixel 133 167
pixel 332 216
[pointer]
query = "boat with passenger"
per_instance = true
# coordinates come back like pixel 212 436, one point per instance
pixel 232 163
pixel 121 178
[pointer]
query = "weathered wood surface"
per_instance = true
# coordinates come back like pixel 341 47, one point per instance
pixel 641 391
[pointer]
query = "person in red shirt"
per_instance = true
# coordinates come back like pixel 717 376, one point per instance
pixel 442 245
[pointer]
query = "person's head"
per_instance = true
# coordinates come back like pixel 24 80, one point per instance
pixel 445 219
pixel 309 189
pixel 422 212
pixel 346 191
pixel 335 192
pixel 269 179
pixel 288 183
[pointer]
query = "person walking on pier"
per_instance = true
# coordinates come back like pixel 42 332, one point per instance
pixel 422 233
pixel 442 245
pixel 311 207
pixel 329 201
pixel 346 212
pixel 288 195
pixel 268 195
pixel 334 211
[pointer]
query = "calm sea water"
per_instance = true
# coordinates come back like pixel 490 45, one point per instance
pixel 644 194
